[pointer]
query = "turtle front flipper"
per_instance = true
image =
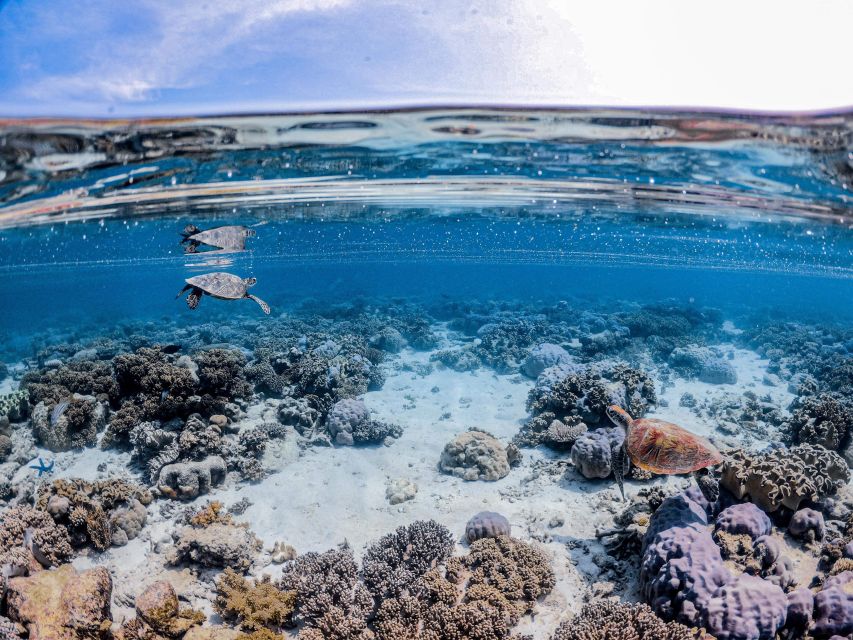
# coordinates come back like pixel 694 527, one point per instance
pixel 183 291
pixel 264 306
pixel 619 463
pixel 194 298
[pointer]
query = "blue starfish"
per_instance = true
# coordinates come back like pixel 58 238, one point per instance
pixel 43 468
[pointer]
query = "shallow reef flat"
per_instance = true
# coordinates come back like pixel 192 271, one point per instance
pixel 407 470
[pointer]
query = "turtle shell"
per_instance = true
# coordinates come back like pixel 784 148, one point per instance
pixel 229 237
pixel 220 285
pixel 665 448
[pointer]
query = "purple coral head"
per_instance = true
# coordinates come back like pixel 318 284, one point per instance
pixel 807 524
pixel 800 606
pixel 745 608
pixel 486 524
pixel 833 612
pixel 744 518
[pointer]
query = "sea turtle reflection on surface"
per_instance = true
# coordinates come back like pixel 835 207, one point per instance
pixel 661 447
pixel 225 286
pixel 228 238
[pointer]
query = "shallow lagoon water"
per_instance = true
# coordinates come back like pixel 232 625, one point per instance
pixel 417 262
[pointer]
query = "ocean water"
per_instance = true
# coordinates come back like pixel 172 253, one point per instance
pixel 415 264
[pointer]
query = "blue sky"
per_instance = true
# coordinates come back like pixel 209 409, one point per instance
pixel 160 57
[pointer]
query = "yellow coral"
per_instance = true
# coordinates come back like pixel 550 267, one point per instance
pixel 210 514
pixel 255 606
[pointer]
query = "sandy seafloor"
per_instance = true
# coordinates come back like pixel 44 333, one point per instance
pixel 317 498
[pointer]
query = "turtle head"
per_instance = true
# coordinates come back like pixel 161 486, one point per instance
pixel 190 229
pixel 619 416
pixel 250 282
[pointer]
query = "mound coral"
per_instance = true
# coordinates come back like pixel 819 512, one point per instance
pixel 254 606
pixel 683 577
pixel 486 524
pixel 62 604
pixel 188 480
pixel 592 452
pixel 784 477
pixel 349 423
pixel 606 620
pixel 215 542
pixel 159 615
pixel 475 455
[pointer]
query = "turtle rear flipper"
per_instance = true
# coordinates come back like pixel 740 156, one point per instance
pixel 194 298
pixel 264 306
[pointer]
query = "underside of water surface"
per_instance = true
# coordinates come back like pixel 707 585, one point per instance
pixel 416 441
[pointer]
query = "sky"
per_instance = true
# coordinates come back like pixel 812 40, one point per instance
pixel 107 58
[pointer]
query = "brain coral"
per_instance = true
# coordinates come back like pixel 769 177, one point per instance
pixel 784 477
pixel 486 524
pixel 475 455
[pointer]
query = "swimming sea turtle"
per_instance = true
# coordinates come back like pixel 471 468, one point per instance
pixel 224 286
pixel 660 447
pixel 228 238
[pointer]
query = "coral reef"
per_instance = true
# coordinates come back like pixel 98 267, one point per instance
pixel 807 524
pixel 349 423
pixel 475 455
pixel 331 603
pixel 486 524
pixel 784 477
pixel 606 620
pixel 71 423
pixel 592 452
pixel 396 560
pixel 824 420
pixel 212 541
pixel 254 605
pixel 582 397
pixel 100 513
pixel 62 604
pixel 159 615
pixel 14 406
pixel 51 540
pixel 188 480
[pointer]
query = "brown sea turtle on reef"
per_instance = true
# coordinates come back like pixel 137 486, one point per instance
pixel 224 286
pixel 227 238
pixel 663 448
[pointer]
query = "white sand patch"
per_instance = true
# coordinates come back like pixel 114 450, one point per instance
pixel 751 372
pixel 323 497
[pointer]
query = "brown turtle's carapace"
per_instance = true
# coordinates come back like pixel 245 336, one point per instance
pixel 663 447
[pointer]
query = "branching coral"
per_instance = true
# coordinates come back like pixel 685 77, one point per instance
pixel 94 511
pixel 399 558
pixel 331 603
pixel 606 620
pixel 51 540
pixel 823 420
pixel 254 606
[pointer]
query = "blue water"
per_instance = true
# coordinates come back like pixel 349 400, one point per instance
pixel 573 222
